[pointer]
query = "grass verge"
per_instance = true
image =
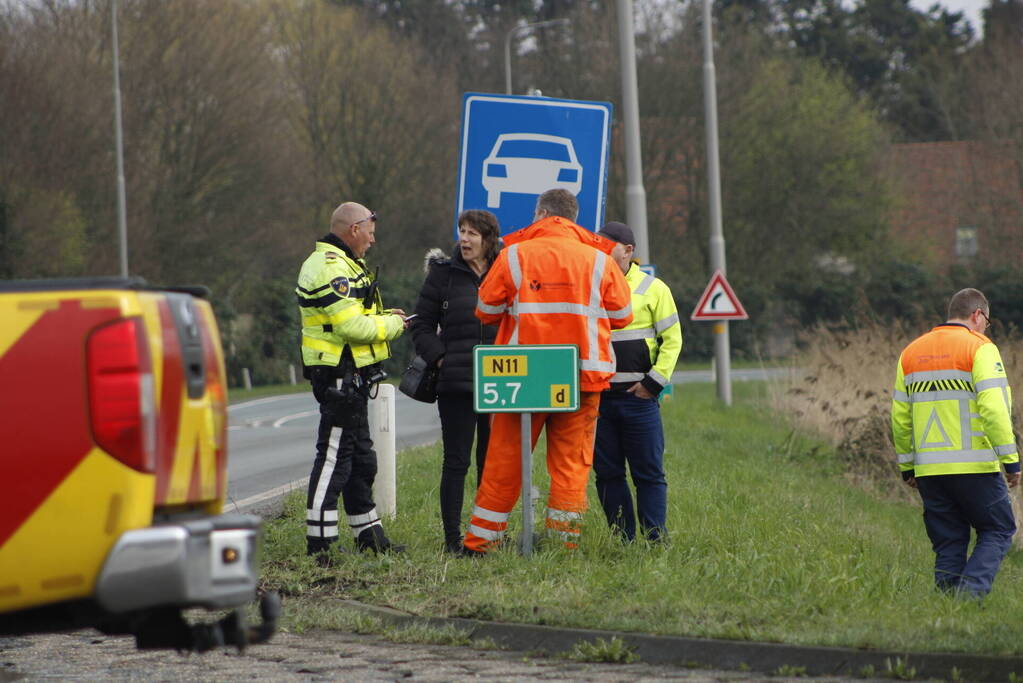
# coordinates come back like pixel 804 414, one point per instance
pixel 769 542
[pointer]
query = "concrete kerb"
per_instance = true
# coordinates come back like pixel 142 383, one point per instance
pixel 719 654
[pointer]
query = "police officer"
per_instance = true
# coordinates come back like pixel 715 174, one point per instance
pixel 952 428
pixel 345 335
pixel 629 428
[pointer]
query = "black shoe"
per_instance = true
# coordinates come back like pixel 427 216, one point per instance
pixel 374 539
pixel 453 545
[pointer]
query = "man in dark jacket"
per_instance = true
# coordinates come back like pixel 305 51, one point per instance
pixel 444 332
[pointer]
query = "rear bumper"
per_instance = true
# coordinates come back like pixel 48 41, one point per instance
pixel 211 563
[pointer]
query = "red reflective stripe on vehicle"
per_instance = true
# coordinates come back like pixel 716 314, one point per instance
pixel 44 431
pixel 195 482
pixel 169 412
pixel 216 385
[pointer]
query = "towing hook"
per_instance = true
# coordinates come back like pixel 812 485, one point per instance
pixel 270 613
pixel 172 631
pixel 235 631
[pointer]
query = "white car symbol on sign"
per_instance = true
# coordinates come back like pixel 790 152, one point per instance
pixel 530 163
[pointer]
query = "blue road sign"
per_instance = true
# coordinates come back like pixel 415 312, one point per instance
pixel 514 148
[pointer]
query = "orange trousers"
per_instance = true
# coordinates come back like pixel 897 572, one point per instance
pixel 569 459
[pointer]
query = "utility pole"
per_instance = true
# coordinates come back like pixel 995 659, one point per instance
pixel 635 194
pixel 723 363
pixel 507 46
pixel 122 221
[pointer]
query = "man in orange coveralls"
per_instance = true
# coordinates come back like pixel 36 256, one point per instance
pixel 553 283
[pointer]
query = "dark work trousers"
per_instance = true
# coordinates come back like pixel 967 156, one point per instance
pixel 458 421
pixel 345 464
pixel 953 503
pixel 629 431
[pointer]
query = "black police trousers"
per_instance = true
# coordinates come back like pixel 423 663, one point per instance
pixel 345 465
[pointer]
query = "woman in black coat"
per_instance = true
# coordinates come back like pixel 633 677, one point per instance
pixel 444 331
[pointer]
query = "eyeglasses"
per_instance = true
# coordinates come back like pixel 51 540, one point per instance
pixel 987 320
pixel 372 217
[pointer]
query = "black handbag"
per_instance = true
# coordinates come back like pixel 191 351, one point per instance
pixel 419 380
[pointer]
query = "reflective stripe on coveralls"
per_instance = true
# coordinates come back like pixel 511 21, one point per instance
pixel 569 459
pixel 592 311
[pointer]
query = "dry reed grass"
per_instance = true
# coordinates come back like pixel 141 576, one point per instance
pixel 841 389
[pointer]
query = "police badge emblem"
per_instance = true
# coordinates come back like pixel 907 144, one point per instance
pixel 340 285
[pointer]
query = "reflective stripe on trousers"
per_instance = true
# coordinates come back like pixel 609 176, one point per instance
pixel 569 459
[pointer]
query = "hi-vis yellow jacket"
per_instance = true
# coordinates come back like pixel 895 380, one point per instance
pixel 331 287
pixel 951 406
pixel 647 349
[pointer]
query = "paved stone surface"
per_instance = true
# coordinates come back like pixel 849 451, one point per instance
pixel 315 656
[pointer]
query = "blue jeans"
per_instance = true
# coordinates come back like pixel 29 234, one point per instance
pixel 629 431
pixel 953 503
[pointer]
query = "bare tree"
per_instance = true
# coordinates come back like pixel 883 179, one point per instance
pixel 375 124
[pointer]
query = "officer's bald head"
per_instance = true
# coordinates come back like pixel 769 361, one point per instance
pixel 355 225
pixel 345 216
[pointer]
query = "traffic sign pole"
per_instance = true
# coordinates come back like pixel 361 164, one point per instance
pixel 717 238
pixel 526 379
pixel 526 423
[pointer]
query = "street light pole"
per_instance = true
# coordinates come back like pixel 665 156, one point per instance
pixel 635 193
pixel 122 223
pixel 507 46
pixel 723 363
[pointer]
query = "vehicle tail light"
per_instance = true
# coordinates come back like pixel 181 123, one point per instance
pixel 121 399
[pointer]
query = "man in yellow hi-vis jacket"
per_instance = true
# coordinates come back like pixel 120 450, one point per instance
pixel 629 428
pixel 345 335
pixel 951 423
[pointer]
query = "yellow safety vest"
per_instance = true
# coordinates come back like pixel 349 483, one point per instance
pixel 647 349
pixel 951 405
pixel 332 285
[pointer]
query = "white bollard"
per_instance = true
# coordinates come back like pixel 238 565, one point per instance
pixel 291 371
pixel 246 378
pixel 382 431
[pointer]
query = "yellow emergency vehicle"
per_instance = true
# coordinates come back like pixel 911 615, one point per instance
pixel 113 466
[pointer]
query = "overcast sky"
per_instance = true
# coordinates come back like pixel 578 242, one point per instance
pixel 972 9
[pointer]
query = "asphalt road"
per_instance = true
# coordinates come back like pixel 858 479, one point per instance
pixel 271 440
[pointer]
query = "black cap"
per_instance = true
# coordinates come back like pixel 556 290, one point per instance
pixel 619 232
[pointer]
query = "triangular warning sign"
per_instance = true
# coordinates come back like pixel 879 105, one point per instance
pixel 718 301
pixel 942 440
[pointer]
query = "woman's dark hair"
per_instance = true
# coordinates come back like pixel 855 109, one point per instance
pixel 485 223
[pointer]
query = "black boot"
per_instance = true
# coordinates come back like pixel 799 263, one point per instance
pixel 452 490
pixel 317 546
pixel 322 549
pixel 373 538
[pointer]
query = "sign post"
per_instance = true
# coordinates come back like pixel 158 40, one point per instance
pixel 527 379
pixel 719 303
